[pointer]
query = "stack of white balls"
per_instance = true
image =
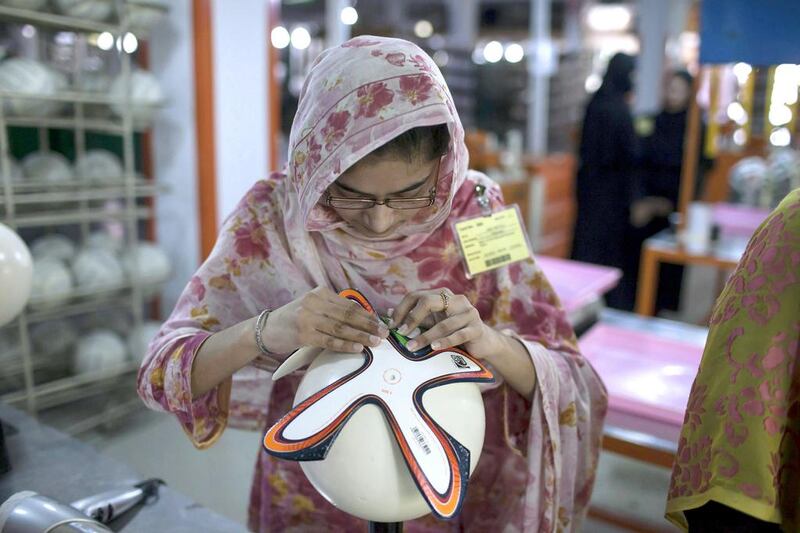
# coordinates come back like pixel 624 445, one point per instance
pixel 96 166
pixel 104 349
pixel 102 263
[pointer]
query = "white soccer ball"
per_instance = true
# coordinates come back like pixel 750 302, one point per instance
pixel 52 282
pixel 97 10
pixel 33 78
pixel 49 167
pixel 364 473
pixel 139 339
pixel 142 16
pixel 16 274
pixel 54 246
pixel 147 261
pixel 100 350
pixel 24 4
pixel 53 337
pixel 146 94
pixel 103 240
pixel 97 269
pixel 99 166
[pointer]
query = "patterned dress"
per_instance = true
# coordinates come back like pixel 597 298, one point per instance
pixel 740 444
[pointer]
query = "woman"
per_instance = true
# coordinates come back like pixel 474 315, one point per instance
pixel 659 186
pixel 604 185
pixel 378 170
pixel 738 461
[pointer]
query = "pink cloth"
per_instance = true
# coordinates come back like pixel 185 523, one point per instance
pixel 538 464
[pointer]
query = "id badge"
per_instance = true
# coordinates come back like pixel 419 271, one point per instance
pixel 492 240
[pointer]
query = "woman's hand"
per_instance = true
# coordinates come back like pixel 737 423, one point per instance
pixel 323 319
pixel 454 321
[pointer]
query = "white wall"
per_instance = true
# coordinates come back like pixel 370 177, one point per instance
pixel 175 148
pixel 240 41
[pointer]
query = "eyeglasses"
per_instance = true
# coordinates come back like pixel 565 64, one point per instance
pixel 417 202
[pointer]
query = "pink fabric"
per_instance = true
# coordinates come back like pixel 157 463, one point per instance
pixel 654 387
pixel 578 284
pixel 537 467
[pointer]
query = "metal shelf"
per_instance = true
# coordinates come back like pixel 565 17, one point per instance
pixel 30 204
pixel 83 301
pixel 65 22
pixel 92 412
pixel 76 191
pixel 71 388
pixel 78 217
pixel 74 97
pixel 66 123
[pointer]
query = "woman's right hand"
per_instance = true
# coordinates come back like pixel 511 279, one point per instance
pixel 323 319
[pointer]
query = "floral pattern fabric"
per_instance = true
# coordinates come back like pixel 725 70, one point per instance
pixel 740 444
pixel 537 467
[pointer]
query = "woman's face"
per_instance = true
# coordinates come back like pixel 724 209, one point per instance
pixel 381 179
pixel 676 95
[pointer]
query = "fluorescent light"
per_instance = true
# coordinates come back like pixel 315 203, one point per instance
pixel 514 53
pixel 105 41
pixel 301 39
pixel 280 37
pixel 423 29
pixel 609 18
pixel 493 51
pixel 349 16
pixel 130 43
pixel 780 137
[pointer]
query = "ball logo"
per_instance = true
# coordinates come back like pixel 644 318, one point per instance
pixel 459 361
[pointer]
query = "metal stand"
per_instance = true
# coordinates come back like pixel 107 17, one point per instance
pixel 385 527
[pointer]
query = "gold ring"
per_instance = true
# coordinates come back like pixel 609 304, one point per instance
pixel 445 301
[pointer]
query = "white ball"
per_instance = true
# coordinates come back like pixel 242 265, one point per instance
pixel 100 350
pixel 364 473
pixel 99 166
pixel 97 10
pixel 52 282
pixel 16 274
pixel 34 78
pixel 53 246
pixel 53 337
pixel 93 82
pixel 142 16
pixel 50 167
pixel 104 241
pixel 139 339
pixel 146 94
pixel 24 4
pixel 97 269
pixel 147 261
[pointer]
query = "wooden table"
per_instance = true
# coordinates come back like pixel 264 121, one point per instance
pixel 664 248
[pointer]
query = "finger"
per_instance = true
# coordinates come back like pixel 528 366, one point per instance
pixel 462 336
pixel 322 340
pixel 441 330
pixel 425 305
pixel 400 312
pixel 351 313
pixel 340 330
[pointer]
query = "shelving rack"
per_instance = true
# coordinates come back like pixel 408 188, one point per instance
pixel 29 205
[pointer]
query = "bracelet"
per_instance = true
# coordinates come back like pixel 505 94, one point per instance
pixel 261 321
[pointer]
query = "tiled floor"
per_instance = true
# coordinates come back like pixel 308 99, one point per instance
pixel 220 477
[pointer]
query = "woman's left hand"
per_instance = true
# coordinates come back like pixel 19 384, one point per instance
pixel 454 322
